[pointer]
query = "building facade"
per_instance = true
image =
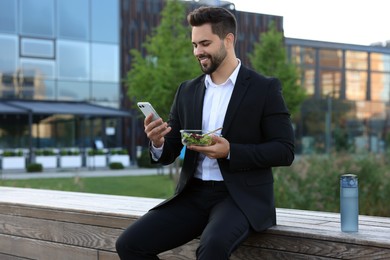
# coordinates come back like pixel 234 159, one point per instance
pixel 349 92
pixel 60 50
pixel 78 50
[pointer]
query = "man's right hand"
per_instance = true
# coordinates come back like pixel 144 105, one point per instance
pixel 156 130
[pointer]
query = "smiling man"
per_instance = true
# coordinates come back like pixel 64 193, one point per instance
pixel 225 190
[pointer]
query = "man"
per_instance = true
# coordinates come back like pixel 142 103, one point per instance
pixel 225 190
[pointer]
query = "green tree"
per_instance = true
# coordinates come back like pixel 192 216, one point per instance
pixel 269 57
pixel 168 61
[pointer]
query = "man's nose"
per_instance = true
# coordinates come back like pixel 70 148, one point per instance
pixel 197 51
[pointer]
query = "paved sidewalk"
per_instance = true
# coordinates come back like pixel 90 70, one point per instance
pixel 81 172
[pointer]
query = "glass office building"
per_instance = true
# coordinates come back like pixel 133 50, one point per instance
pixel 69 49
pixel 349 96
pixel 78 50
pixel 60 50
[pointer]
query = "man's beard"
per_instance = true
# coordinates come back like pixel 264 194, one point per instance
pixel 214 60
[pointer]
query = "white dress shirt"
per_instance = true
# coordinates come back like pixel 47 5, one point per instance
pixel 215 104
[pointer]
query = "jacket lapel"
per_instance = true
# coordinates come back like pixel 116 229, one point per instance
pixel 198 104
pixel 239 92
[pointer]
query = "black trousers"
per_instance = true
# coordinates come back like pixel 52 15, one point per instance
pixel 204 209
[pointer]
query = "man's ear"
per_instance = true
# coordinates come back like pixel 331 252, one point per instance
pixel 230 40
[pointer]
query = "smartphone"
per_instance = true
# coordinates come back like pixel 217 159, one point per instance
pixel 148 109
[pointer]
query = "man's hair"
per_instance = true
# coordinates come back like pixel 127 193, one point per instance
pixel 222 21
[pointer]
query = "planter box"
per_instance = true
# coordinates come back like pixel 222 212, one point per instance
pixel 70 161
pixel 122 158
pixel 97 161
pixel 48 162
pixel 17 162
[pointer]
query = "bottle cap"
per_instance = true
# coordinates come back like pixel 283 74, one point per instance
pixel 349 181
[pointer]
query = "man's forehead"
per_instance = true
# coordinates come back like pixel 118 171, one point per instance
pixel 202 33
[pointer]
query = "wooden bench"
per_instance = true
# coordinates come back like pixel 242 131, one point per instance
pixel 43 224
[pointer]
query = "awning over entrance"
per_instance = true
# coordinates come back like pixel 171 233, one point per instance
pixel 39 107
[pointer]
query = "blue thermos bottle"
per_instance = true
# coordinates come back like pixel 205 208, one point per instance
pixel 349 203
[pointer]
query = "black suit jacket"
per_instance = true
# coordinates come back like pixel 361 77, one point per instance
pixel 257 125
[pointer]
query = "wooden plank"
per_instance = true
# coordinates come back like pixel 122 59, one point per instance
pixel 83 202
pixel 316 247
pixel 10 257
pixel 60 232
pixel 43 250
pixel 95 221
pixel 105 255
pixel 66 215
pixel 187 252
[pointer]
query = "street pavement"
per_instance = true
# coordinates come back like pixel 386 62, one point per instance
pixel 80 172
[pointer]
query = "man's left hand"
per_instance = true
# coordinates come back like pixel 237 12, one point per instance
pixel 219 148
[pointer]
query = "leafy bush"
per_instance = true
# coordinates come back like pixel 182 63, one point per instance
pixel 313 183
pixel 34 167
pixel 12 153
pixel 45 152
pixel 116 166
pixel 96 152
pixel 144 160
pixel 69 152
pixel 119 151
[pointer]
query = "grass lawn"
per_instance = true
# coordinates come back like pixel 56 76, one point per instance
pixel 154 186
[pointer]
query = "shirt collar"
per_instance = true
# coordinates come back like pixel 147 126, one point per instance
pixel 232 78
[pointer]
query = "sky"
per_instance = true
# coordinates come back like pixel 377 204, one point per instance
pixel 343 21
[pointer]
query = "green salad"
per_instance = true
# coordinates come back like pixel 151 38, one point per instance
pixel 196 139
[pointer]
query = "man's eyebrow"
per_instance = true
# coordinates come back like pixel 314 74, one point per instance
pixel 203 41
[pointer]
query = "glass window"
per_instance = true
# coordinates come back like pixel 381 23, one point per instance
pixel 41 69
pixel 304 56
pixel 380 87
pixel 73 60
pixel 73 19
pixel 37 17
pixel 8 16
pixel 73 90
pixel 308 81
pixel 37 48
pixel 330 83
pixel 380 62
pixel 356 60
pixel 105 93
pixel 8 54
pixel 45 90
pixel 356 85
pixel 105 21
pixel 331 58
pixel 105 62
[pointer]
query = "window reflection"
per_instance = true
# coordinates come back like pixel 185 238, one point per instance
pixel 105 62
pixel 308 81
pixel 37 17
pixel 8 53
pixel 73 19
pixel 40 68
pixel 8 16
pixel 46 90
pixel 106 93
pixel 105 21
pixel 380 86
pixel 73 90
pixel 37 48
pixel 380 62
pixel 73 60
pixel 356 60
pixel 331 58
pixel 303 55
pixel 331 83
pixel 356 85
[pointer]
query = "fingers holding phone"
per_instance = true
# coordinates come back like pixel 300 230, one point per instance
pixel 155 127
